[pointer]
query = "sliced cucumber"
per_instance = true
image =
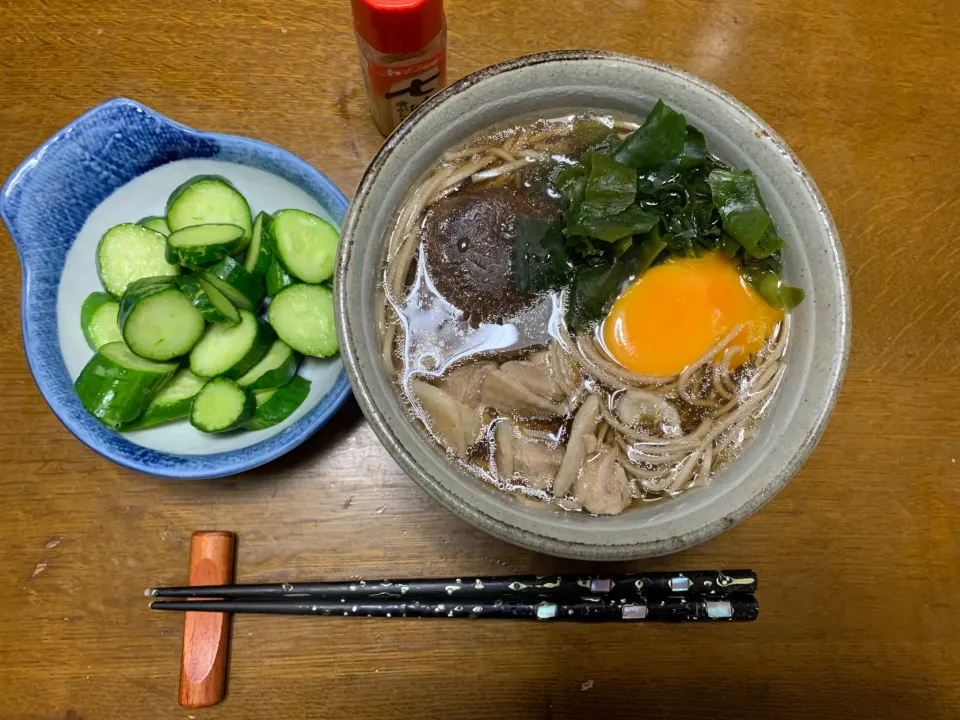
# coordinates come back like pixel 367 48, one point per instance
pixel 116 386
pixel 155 223
pixel 260 252
pixel 241 288
pixel 302 316
pixel 158 322
pixel 98 318
pixel 200 245
pixel 211 303
pixel 209 199
pixel 263 395
pixel 231 350
pixel 278 278
pixel 129 252
pixel 171 403
pixel 222 405
pixel 275 406
pixel 275 369
pixel 305 244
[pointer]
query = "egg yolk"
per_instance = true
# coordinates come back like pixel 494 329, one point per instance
pixel 669 317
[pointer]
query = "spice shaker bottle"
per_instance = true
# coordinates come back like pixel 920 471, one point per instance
pixel 403 46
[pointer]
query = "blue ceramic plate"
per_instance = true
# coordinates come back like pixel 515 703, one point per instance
pixel 115 164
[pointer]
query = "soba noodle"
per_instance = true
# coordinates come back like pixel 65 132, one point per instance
pixel 668 433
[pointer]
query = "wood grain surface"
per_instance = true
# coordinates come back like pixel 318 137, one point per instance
pixel 859 557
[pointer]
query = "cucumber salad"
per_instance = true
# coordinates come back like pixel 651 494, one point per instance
pixel 179 332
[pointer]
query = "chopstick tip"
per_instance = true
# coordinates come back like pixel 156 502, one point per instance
pixel 150 592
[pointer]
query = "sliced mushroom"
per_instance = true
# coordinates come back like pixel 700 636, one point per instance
pixel 457 424
pixel 503 392
pixel 638 407
pixel 541 358
pixel 537 377
pixel 533 433
pixel 566 373
pixel 584 423
pixel 590 443
pixel 602 484
pixel 464 382
pixel 503 453
pixel 535 462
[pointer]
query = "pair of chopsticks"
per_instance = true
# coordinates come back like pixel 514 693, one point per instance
pixel 703 595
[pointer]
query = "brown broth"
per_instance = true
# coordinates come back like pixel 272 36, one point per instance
pixel 436 336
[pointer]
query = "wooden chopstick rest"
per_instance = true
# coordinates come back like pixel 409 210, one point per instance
pixel 203 665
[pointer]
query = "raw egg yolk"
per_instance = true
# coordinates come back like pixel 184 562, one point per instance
pixel 669 317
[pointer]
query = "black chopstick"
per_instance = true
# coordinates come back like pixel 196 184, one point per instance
pixel 673 608
pixel 703 583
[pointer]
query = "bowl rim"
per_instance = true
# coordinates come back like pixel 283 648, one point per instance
pixel 476 516
pixel 118 448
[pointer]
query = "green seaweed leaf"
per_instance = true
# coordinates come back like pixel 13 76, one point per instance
pixel 629 204
pixel 610 228
pixel 539 254
pixel 745 219
pixel 660 139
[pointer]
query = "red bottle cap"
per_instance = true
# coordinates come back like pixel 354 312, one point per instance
pixel 398 27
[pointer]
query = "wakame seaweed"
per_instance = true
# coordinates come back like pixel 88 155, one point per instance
pixel 745 219
pixel 660 139
pixel 539 255
pixel 595 285
pixel 608 211
pixel 631 204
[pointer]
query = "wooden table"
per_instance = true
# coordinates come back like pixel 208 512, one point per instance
pixel 859 558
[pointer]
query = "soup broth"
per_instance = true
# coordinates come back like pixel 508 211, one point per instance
pixel 552 323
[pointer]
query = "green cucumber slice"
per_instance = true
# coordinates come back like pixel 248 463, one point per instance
pixel 171 403
pixel 158 322
pixel 212 304
pixel 241 288
pixel 129 252
pixel 209 199
pixel 305 244
pixel 200 245
pixel 116 386
pixel 98 319
pixel 263 395
pixel 231 350
pixel 275 369
pixel 275 406
pixel 222 405
pixel 260 252
pixel 302 316
pixel 155 223
pixel 277 277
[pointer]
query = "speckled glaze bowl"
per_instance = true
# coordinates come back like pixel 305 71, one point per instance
pixel 118 163
pixel 816 356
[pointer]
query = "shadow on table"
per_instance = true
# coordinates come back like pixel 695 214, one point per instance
pixel 268 477
pixel 314 448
